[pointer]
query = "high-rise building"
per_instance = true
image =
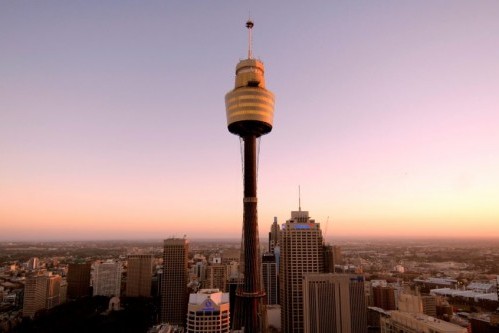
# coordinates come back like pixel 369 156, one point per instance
pixel 250 113
pixel 53 291
pixel 107 278
pixel 216 277
pixel 139 275
pixel 301 252
pixel 35 295
pixel 270 278
pixel 78 279
pixel 334 303
pixel 174 294
pixel 384 297
pixel 274 235
pixel 208 312
pixel 41 292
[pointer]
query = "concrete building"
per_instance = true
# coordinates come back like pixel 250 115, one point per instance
pixel 334 303
pixel 174 294
pixel 41 292
pixel 384 297
pixel 107 278
pixel 418 304
pixel 274 235
pixel 301 252
pixel 270 278
pixel 139 275
pixel 208 312
pixel 403 322
pixel 216 277
pixel 78 279
pixel 53 290
pixel 35 295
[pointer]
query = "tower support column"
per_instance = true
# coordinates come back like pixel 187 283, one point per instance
pixel 249 310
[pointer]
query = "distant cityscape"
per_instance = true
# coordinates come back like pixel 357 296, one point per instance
pixel 128 286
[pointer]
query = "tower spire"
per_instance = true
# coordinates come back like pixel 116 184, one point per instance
pixel 249 25
pixel 299 199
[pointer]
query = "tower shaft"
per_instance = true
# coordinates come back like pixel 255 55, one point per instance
pixel 249 296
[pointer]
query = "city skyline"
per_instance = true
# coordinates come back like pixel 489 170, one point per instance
pixel 112 118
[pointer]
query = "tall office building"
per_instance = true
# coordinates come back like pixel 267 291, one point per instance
pixel 174 294
pixel 301 252
pixel 274 235
pixel 216 277
pixel 139 275
pixel 270 278
pixel 250 114
pixel 78 279
pixel 41 292
pixel 53 291
pixel 35 295
pixel 107 278
pixel 208 312
pixel 334 303
pixel 384 297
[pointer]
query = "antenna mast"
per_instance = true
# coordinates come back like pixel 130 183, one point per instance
pixel 299 199
pixel 249 25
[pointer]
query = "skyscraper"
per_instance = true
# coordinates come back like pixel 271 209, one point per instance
pixel 216 277
pixel 107 278
pixel 274 235
pixel 41 292
pixel 139 275
pixel 250 113
pixel 334 303
pixel 301 252
pixel 78 280
pixel 270 278
pixel 35 295
pixel 174 294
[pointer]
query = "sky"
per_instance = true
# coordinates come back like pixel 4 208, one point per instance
pixel 112 118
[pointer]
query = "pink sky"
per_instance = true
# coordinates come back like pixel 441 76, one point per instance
pixel 112 119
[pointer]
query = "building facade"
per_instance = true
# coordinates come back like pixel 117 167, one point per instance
pixel 404 322
pixel 334 303
pixel 139 275
pixel 107 278
pixel 270 278
pixel 301 252
pixel 78 279
pixel 174 294
pixel 208 312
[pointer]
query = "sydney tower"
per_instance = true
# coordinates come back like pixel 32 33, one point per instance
pixel 250 113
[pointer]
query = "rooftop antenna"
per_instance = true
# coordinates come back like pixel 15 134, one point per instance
pixel 249 25
pixel 299 199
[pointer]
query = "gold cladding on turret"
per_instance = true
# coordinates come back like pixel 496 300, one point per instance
pixel 249 101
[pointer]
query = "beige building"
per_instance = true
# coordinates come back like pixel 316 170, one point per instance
pixel 41 292
pixel 139 275
pixel 208 312
pixel 301 252
pixel 418 304
pixel 216 277
pixel 404 322
pixel 334 303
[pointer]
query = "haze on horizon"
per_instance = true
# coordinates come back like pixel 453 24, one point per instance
pixel 112 118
